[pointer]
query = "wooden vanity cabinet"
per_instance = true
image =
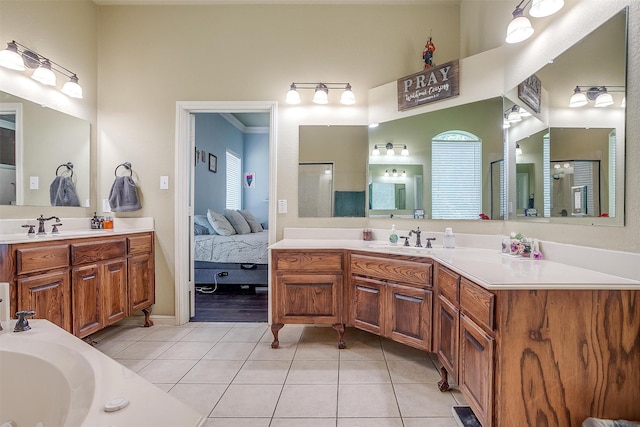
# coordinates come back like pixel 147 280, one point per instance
pixel 81 285
pixel 392 296
pixel 465 340
pixel 307 288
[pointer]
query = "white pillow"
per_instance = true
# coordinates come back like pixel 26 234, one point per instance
pixel 237 221
pixel 253 222
pixel 219 223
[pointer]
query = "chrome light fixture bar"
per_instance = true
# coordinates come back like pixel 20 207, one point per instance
pixel 390 150
pixel 18 57
pixel 601 95
pixel 321 94
pixel 520 27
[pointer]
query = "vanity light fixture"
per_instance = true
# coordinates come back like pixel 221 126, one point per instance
pixel 18 57
pixel 518 150
pixel 513 114
pixel 321 93
pixel 386 172
pixel 390 150
pixel 520 27
pixel 600 94
pixel 395 173
pixel 404 174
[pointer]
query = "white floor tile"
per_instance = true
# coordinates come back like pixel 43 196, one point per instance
pixel 187 350
pixel 213 371
pixel 423 400
pixel 230 351
pixel 166 371
pixel 263 351
pixel 263 372
pixel 201 397
pixel 248 401
pixel 143 350
pixel 367 400
pixel 313 372
pixel 413 371
pixel 363 372
pixel 430 422
pixel 238 422
pixel 369 422
pixel 167 333
pixel 206 334
pixel 307 401
pixel 306 422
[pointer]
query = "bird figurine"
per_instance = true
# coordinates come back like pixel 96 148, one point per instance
pixel 427 54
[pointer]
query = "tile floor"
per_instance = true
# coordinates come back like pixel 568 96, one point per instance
pixel 230 373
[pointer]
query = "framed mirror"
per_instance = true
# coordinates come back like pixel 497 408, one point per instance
pixel 44 155
pixel 570 157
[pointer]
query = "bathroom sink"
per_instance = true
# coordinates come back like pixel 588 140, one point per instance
pixel 410 249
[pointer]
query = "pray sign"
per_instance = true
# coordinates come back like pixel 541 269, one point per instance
pixel 430 85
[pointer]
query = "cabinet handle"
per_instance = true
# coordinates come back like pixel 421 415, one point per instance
pixel 371 291
pixel 406 298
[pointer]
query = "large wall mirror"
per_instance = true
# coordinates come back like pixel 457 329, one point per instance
pixel 44 155
pixel 571 168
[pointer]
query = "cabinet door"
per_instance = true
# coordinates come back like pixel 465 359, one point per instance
pixel 476 369
pixel 86 301
pixel 408 316
pixel 49 296
pixel 366 304
pixel 114 290
pixel 141 282
pixel 446 335
pixel 308 298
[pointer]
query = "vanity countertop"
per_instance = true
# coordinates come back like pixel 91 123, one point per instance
pixel 487 267
pixel 12 232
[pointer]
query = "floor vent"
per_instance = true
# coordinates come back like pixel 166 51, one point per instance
pixel 465 417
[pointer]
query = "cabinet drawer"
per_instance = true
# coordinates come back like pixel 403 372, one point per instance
pixel 140 244
pixel 30 260
pixel 448 283
pixel 316 261
pixel 98 250
pixel 477 303
pixel 392 270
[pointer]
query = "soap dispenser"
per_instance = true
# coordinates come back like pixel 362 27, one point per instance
pixel 393 237
pixel 449 240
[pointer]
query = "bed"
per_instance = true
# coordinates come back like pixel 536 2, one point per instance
pixel 239 259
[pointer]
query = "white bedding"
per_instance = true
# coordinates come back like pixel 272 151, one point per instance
pixel 237 248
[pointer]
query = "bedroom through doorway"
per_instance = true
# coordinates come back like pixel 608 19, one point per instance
pixel 230 216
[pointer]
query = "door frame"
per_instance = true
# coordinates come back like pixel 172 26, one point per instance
pixel 184 183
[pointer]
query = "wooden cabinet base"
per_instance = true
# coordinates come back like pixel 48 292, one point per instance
pixel 147 313
pixel 339 327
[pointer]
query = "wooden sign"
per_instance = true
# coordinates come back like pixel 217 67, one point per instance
pixel 430 85
pixel 530 91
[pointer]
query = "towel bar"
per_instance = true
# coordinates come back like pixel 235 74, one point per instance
pixel 127 166
pixel 69 167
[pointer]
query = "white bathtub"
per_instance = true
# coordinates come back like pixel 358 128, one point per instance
pixel 49 378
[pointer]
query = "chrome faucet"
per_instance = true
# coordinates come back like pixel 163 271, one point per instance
pixel 41 221
pixel 417 233
pixel 23 324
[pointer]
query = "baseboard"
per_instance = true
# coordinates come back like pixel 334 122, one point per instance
pixel 465 417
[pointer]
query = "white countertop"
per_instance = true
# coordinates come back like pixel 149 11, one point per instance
pixel 11 231
pixel 487 267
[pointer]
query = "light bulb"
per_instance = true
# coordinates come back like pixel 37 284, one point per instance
pixel 10 58
pixel 347 98
pixel 604 99
pixel 519 28
pixel 375 151
pixel 293 97
pixel 518 150
pixel 578 99
pixel 542 8
pixel 72 88
pixel 44 75
pixel 322 94
pixel 404 151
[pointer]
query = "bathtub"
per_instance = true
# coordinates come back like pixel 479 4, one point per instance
pixel 49 378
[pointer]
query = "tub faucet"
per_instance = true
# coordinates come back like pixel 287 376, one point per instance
pixel 41 221
pixel 23 324
pixel 417 233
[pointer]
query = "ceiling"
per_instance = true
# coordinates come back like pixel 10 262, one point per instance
pixel 253 120
pixel 256 2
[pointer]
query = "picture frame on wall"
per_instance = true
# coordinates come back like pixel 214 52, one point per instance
pixel 213 163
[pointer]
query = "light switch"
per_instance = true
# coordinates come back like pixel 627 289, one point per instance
pixel 33 183
pixel 282 206
pixel 164 182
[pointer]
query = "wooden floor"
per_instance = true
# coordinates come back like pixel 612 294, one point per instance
pixel 231 306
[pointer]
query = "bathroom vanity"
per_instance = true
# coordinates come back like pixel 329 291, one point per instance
pixel 523 340
pixel 82 281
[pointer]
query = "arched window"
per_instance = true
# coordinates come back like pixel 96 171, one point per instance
pixel 456 175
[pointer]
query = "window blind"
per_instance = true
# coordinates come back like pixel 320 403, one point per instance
pixel 234 181
pixel 456 177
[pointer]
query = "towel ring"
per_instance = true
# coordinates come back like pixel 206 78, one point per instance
pixel 125 165
pixel 69 167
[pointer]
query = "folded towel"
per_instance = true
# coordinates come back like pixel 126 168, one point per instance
pixel 62 192
pixel 123 196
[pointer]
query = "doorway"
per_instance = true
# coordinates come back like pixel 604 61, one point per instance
pixel 185 148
